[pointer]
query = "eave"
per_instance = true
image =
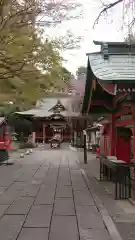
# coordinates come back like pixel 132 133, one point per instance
pixel 125 44
pixel 115 69
pixel 114 62
pixel 101 100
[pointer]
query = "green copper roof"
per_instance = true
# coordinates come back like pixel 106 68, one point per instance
pixel 42 109
pixel 115 68
pixel 114 62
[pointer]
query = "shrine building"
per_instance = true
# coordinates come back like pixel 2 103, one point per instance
pixel 110 94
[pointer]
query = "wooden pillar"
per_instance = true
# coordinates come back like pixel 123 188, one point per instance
pixel 62 134
pixel 4 131
pixel 95 139
pixel 44 132
pixel 104 144
pixel 133 118
pixel 85 148
pixel 113 136
pixel 113 130
pixel 70 131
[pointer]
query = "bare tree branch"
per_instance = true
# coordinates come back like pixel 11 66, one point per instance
pixel 105 9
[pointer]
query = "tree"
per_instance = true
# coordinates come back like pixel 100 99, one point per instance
pixel 128 6
pixel 42 13
pixel 81 71
pixel 60 78
pixel 130 38
pixel 69 41
pixel 27 63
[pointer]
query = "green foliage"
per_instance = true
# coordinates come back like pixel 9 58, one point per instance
pixel 28 65
pixel 67 76
pixel 81 71
pixel 20 125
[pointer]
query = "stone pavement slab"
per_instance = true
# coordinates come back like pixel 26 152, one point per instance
pixel 64 177
pixel 45 197
pixel 39 217
pixel 64 161
pixel 31 190
pixel 64 228
pixel 6 182
pixel 34 234
pixel 77 180
pixel 41 173
pixel 2 190
pixel 127 230
pixel 10 226
pixel 21 206
pixel 83 198
pixel 27 175
pixel 64 206
pixel 64 181
pixel 94 234
pixel 89 217
pixel 64 192
pixel 64 171
pixel 3 209
pixel 7 198
pixel 16 187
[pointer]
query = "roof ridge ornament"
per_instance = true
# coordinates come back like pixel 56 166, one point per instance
pixel 105 50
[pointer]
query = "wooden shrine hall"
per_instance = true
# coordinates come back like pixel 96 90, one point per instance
pixel 110 94
pixel 52 116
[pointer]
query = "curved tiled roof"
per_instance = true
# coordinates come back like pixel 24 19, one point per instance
pixel 115 68
pixel 42 108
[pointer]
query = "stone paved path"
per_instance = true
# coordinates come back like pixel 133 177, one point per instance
pixel 44 196
pixel 121 211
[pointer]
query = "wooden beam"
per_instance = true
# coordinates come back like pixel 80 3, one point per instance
pixel 133 120
pixel 125 104
pixel 97 102
pixel 113 130
pixel 122 95
pixel 123 123
pixel 123 111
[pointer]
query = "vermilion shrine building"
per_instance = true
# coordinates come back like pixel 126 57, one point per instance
pixel 51 116
pixel 110 93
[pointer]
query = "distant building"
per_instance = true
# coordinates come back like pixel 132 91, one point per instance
pixel 52 115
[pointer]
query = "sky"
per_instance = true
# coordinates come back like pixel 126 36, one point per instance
pixel 108 29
